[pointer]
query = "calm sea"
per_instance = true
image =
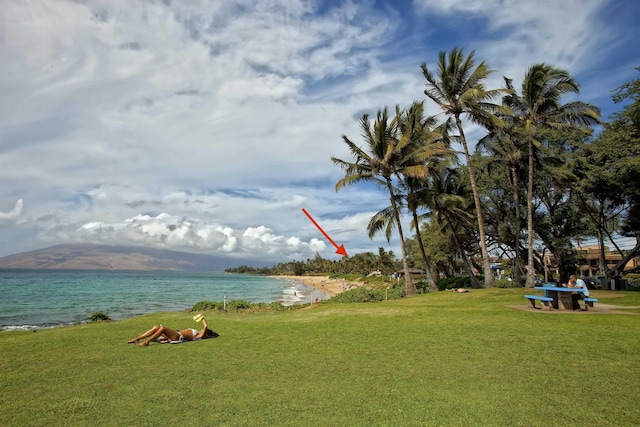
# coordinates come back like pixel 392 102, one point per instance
pixel 31 299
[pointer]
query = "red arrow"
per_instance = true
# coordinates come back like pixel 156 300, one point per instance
pixel 340 250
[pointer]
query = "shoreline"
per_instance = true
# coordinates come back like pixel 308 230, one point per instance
pixel 322 283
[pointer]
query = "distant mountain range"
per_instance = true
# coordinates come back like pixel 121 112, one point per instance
pixel 102 257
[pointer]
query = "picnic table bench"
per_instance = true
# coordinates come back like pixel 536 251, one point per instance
pixel 588 302
pixel 545 302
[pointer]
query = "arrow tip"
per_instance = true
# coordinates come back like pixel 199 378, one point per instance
pixel 341 251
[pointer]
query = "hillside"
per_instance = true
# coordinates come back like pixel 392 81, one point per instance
pixel 102 257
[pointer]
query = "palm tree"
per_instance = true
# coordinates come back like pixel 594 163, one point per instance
pixel 505 145
pixel 385 157
pixel 448 206
pixel 427 145
pixel 458 88
pixel 537 109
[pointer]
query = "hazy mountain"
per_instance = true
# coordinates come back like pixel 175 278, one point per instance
pixel 99 257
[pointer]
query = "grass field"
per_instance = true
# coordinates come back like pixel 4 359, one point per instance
pixel 438 359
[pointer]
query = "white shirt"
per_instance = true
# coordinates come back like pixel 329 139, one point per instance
pixel 580 284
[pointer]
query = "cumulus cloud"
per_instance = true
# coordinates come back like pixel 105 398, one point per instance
pixel 180 233
pixel 6 217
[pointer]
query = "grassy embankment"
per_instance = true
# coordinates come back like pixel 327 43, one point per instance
pixel 434 359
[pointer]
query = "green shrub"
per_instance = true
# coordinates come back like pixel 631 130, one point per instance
pixel 239 305
pixel 366 294
pixel 422 287
pixel 208 305
pixel 633 281
pixel 506 283
pixel 453 282
pixel 98 316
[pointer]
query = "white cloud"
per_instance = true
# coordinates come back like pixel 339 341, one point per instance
pixel 191 124
pixel 520 33
pixel 12 215
pixel 180 233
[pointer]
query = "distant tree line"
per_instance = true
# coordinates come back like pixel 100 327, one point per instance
pixel 360 264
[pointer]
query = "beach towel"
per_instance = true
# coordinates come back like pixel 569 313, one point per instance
pixel 167 341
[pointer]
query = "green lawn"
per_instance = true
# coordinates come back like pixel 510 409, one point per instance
pixel 437 359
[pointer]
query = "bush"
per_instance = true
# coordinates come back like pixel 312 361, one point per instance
pixel 366 294
pixel 239 305
pixel 98 316
pixel 453 282
pixel 422 287
pixel 506 283
pixel 633 281
pixel 208 305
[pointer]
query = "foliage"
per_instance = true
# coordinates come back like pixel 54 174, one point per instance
pixel 98 316
pixel 389 154
pixel 454 282
pixel 506 283
pixel 538 110
pixel 208 305
pixel 457 86
pixel 538 156
pixel 422 287
pixel 370 294
pixel 360 264
pixel 633 281
pixel 241 305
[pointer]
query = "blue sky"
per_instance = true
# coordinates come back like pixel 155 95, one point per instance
pixel 207 126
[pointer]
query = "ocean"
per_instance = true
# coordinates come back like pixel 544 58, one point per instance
pixel 34 299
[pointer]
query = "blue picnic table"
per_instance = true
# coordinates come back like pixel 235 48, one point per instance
pixel 562 298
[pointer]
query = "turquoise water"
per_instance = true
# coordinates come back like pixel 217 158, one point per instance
pixel 31 299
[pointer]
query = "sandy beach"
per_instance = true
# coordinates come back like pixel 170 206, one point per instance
pixel 323 283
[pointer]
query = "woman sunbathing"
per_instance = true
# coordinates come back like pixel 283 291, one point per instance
pixel 171 335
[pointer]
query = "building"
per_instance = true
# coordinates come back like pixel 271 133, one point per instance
pixel 591 261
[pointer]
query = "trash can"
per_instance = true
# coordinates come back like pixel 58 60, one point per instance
pixel 617 284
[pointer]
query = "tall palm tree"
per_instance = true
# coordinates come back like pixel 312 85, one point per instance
pixel 428 145
pixel 506 146
pixel 458 88
pixel 432 143
pixel 539 108
pixel 386 156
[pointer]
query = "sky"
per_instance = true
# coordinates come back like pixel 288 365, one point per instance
pixel 207 126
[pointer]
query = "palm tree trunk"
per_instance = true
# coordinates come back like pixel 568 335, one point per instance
pixel 517 276
pixel 408 283
pixel 531 275
pixel 432 283
pixel 489 281
pixel 467 266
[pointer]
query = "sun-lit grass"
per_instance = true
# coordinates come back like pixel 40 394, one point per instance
pixel 435 359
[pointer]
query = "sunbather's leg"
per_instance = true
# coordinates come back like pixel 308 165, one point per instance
pixel 170 334
pixel 146 334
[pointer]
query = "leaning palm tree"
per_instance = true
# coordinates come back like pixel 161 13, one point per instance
pixel 386 156
pixel 412 198
pixel 458 88
pixel 505 145
pixel 448 205
pixel 432 148
pixel 538 108
pixel 428 145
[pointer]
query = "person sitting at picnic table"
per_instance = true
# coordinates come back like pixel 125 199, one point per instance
pixel 173 336
pixel 574 282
